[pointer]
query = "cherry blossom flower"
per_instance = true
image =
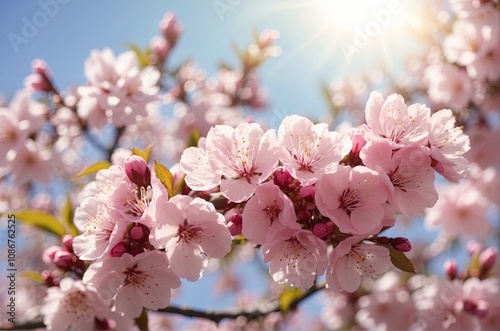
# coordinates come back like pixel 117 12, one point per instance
pixel 439 307
pixel 266 212
pixel 12 133
pixel 461 211
pixel 144 280
pixel 407 174
pixel 189 230
pixel 377 308
pixel 245 156
pixel 337 309
pixel 390 119
pixel 296 257
pixel 196 165
pixel 353 260
pixel 448 143
pixel 74 305
pixel 448 84
pixel 353 198
pixel 31 162
pixel 102 228
pixel 307 150
pixel 118 90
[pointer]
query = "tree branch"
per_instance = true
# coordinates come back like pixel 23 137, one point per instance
pixel 250 313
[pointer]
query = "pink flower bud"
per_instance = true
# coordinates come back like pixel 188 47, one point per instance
pixel 49 279
pixel 307 192
pixel 451 268
pixel 139 232
pixel 482 308
pixel 282 178
pixel 40 67
pixel 49 253
pixel 321 230
pixel 120 249
pixel 160 47
pixel 64 260
pixel 67 241
pixel 488 258
pixel 469 305
pixel 235 224
pixel 303 215
pixel 401 244
pixel 170 28
pixel 137 171
pixel 474 247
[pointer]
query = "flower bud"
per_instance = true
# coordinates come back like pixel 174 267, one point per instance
pixel 67 241
pixel 451 268
pixel 139 232
pixel 482 308
pixel 40 79
pixel 304 215
pixel 64 260
pixel 488 258
pixel 473 248
pixel 235 224
pixel 282 178
pixel 160 47
pixel 49 279
pixel 120 249
pixel 321 230
pixel 49 253
pixel 307 192
pixel 401 244
pixel 170 28
pixel 137 171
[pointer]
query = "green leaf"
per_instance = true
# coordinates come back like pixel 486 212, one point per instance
pixel 287 297
pixel 67 216
pixel 400 260
pixel 33 275
pixel 194 136
pixel 165 177
pixel 42 221
pixel 145 154
pixel 91 169
pixel 142 56
pixel 142 320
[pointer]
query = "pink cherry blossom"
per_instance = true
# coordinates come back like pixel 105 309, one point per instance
pixel 74 305
pixel 308 150
pixel 377 308
pixel 102 228
pixel 483 140
pixel 144 280
pixel 118 91
pixel 461 211
pixel 467 8
pixel 449 85
pixel 353 260
pixel 196 165
pixel 353 198
pixel 245 156
pixel 31 162
pixel 390 119
pixel 466 43
pixel 296 257
pixel 266 212
pixel 190 231
pixel 12 133
pixel 408 175
pixel 438 306
pixel 448 143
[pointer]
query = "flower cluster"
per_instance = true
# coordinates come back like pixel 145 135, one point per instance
pixel 307 188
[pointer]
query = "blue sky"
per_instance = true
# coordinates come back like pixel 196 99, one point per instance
pixel 311 42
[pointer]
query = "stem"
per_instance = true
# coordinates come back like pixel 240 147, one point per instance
pixel 250 312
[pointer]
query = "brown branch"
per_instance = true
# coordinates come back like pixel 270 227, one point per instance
pixel 250 313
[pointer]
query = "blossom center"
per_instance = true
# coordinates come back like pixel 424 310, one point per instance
pixel 134 277
pixel 139 201
pixel 349 200
pixel 188 232
pixel 273 211
pixel 75 303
